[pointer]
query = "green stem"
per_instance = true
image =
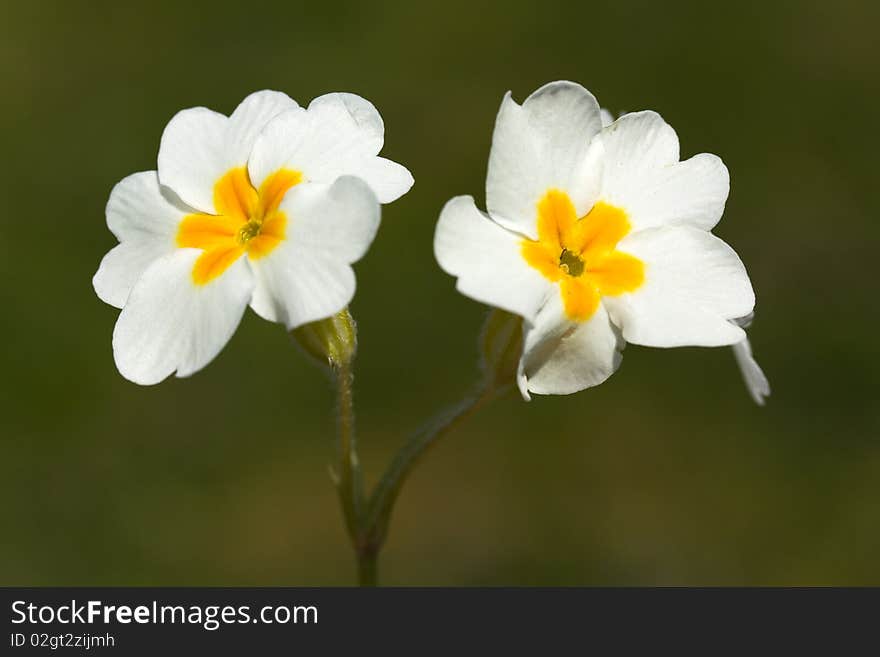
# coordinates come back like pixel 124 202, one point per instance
pixel 367 567
pixel 381 503
pixel 348 479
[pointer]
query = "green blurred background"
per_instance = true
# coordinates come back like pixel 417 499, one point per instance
pixel 666 474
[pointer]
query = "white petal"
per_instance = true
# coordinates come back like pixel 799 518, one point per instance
pixel 542 145
pixel 171 324
pixel 643 176
pixel 248 119
pixel 561 357
pixel 692 192
pixel 607 117
pixel 339 134
pixel 694 283
pixel 199 145
pixel 345 109
pixel 487 260
pixel 309 276
pixel 753 376
pixel 144 218
pixel 192 155
pixel 339 220
pixel 280 145
pixel 121 268
pixel 388 180
pixel 637 143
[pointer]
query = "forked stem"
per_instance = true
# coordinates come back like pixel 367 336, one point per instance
pixel 334 341
pixel 367 524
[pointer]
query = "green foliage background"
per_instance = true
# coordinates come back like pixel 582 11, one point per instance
pixel 667 474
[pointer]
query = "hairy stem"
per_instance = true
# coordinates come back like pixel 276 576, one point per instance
pixel 348 478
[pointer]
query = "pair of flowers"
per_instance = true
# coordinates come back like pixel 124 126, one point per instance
pixel 596 234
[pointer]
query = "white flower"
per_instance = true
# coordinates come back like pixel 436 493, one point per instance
pixel 267 207
pixel 596 237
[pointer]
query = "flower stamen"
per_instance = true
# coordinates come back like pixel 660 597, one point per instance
pixel 570 263
pixel 248 231
pixel 580 253
pixel 248 221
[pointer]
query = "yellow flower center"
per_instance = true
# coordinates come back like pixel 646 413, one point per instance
pixel 581 253
pixel 247 221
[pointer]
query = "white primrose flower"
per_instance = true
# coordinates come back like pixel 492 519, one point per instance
pixel 268 207
pixel 596 237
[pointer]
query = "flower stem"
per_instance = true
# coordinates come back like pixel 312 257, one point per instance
pixel 349 481
pixel 381 504
pixel 348 477
pixel 367 568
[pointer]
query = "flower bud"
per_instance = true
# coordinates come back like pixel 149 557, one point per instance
pixel 331 341
pixel 500 347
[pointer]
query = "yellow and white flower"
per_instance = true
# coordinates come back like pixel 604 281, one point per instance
pixel 596 237
pixel 268 207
